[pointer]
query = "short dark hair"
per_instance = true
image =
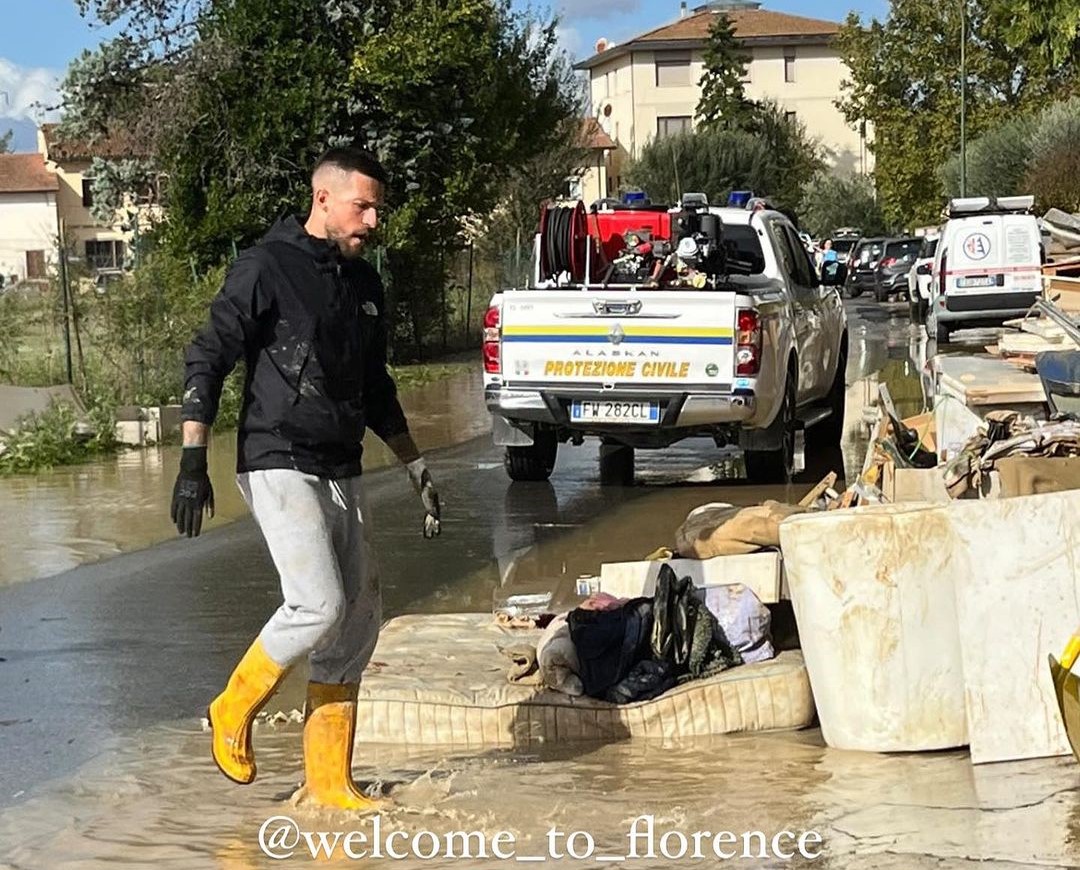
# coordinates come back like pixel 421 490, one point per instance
pixel 351 159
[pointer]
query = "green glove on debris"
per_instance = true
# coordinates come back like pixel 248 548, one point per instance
pixel 425 488
pixel 192 492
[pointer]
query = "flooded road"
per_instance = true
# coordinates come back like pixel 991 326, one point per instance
pixel 58 520
pixel 105 672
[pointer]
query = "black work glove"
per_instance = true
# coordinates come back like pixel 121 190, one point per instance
pixel 192 492
pixel 425 487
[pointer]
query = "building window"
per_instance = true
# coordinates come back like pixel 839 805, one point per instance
pixel 672 124
pixel 789 65
pixel 673 69
pixel 35 266
pixel 791 117
pixel 746 78
pixel 105 254
pixel 87 192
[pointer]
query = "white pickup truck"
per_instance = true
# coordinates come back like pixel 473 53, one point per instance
pixel 733 337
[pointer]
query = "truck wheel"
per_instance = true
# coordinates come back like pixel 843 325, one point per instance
pixel 776 466
pixel 616 465
pixel 535 462
pixel 829 432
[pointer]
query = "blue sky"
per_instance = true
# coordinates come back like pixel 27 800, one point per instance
pixel 38 38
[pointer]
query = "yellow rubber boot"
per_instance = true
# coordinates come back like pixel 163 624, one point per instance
pixel 329 729
pixel 232 712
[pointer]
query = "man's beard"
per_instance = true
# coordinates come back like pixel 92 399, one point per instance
pixel 346 242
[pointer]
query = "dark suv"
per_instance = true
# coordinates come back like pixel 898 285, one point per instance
pixel 893 267
pixel 862 265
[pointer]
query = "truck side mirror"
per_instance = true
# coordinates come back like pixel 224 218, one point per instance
pixel 833 274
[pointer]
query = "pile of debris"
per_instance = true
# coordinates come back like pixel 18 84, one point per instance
pixel 1007 434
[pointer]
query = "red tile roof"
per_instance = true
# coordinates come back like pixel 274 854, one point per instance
pixel 593 135
pixel 25 173
pixel 748 24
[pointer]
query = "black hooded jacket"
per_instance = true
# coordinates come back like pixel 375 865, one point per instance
pixel 311 327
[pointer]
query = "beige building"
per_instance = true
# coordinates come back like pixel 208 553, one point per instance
pixel 593 184
pixel 28 226
pixel 103 247
pixel 650 86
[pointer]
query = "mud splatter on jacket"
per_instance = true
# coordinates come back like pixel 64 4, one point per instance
pixel 311 329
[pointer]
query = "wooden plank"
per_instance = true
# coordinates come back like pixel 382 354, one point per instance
pixel 988 381
pixel 825 483
pixel 1022 342
pixel 1020 396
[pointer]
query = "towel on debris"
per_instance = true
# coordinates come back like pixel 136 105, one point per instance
pixel 725 530
pixel 523 665
pixel 557 658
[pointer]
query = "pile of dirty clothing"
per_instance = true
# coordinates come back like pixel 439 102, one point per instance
pixel 1007 434
pixel 625 650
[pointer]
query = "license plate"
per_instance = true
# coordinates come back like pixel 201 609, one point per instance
pixel 641 413
pixel 981 281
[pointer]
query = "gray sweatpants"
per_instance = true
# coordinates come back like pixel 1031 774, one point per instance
pixel 316 529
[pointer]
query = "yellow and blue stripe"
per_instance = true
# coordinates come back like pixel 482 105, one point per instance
pixel 601 334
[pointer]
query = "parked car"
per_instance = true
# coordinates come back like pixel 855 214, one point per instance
pixel 843 240
pixel 890 277
pixel 862 264
pixel 919 279
pixel 988 264
pixel 749 363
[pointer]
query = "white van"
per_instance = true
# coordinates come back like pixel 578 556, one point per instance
pixel 988 264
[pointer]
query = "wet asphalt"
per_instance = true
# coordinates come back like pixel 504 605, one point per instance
pixel 90 656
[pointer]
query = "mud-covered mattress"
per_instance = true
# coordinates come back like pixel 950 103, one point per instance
pixel 441 679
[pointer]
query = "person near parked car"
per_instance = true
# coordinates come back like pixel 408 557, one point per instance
pixel 308 317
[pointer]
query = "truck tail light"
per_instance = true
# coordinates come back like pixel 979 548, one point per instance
pixel 492 335
pixel 941 276
pixel 748 343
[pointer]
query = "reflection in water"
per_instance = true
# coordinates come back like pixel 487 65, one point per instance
pixel 57 520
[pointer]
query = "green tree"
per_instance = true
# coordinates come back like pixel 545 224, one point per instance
pixel 905 81
pixel 505 235
pixel 1053 173
pixel 1050 25
pixel 997 161
pixel 775 160
pixel 5 141
pixel 830 202
pixel 723 100
pixel 235 102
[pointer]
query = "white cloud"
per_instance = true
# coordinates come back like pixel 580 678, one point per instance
pixel 570 41
pixel 25 87
pixel 598 10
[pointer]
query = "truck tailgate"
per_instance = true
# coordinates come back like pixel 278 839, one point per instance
pixel 667 339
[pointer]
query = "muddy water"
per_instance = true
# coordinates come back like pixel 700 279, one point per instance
pixel 60 519
pixel 158 803
pixel 150 797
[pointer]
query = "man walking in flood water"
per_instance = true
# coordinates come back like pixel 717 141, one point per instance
pixel 307 316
